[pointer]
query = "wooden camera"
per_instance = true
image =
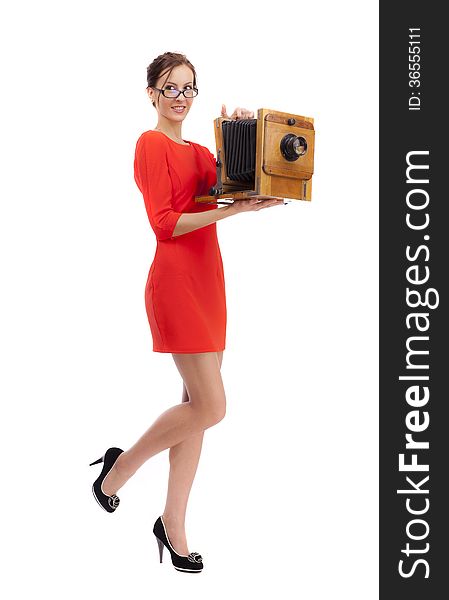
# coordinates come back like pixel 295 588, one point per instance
pixel 268 156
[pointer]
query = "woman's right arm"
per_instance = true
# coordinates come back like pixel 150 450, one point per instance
pixel 152 177
pixel 191 221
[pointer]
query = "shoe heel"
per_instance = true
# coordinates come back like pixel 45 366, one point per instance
pixel 161 548
pixel 100 460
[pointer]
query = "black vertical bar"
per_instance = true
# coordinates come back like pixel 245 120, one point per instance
pixel 414 266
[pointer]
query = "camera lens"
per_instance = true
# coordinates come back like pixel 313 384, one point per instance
pixel 293 146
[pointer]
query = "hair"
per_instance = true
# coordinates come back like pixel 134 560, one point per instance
pixel 163 63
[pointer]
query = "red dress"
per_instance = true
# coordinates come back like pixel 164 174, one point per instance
pixel 185 295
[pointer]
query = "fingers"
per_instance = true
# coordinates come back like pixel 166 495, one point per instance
pixel 246 114
pixel 268 203
pixel 242 113
pixel 239 113
pixel 254 203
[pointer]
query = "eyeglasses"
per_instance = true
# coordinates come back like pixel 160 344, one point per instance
pixel 174 93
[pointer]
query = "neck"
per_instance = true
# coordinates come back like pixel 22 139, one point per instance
pixel 170 128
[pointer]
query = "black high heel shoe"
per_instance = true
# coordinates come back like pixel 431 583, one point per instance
pixel 192 563
pixel 109 503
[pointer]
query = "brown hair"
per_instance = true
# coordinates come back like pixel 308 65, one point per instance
pixel 166 62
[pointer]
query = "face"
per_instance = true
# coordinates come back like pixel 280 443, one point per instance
pixel 180 78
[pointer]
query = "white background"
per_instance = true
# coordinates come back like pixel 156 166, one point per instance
pixel 284 503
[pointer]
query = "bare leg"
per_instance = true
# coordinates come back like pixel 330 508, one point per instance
pixel 205 408
pixel 184 458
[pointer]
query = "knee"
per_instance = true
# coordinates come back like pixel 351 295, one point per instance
pixel 213 414
pixel 218 414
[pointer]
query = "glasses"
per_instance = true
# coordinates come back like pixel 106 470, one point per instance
pixel 174 93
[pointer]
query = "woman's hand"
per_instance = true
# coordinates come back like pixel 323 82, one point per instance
pixel 255 203
pixel 239 113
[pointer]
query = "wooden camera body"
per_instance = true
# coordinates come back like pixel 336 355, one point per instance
pixel 272 155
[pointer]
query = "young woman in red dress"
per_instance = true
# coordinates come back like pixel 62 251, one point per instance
pixel 184 297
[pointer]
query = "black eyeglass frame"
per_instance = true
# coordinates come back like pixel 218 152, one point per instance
pixel 160 90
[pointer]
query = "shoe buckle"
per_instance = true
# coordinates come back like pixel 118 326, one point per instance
pixel 195 557
pixel 113 501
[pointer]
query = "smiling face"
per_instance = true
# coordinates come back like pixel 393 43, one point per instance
pixel 181 78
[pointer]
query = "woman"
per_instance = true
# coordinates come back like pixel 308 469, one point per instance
pixel 184 298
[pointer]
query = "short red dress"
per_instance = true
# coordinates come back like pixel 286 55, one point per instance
pixel 185 295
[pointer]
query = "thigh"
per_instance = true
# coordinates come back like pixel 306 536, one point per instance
pixel 200 372
pixel 185 395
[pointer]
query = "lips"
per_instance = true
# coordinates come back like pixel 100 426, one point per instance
pixel 178 109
